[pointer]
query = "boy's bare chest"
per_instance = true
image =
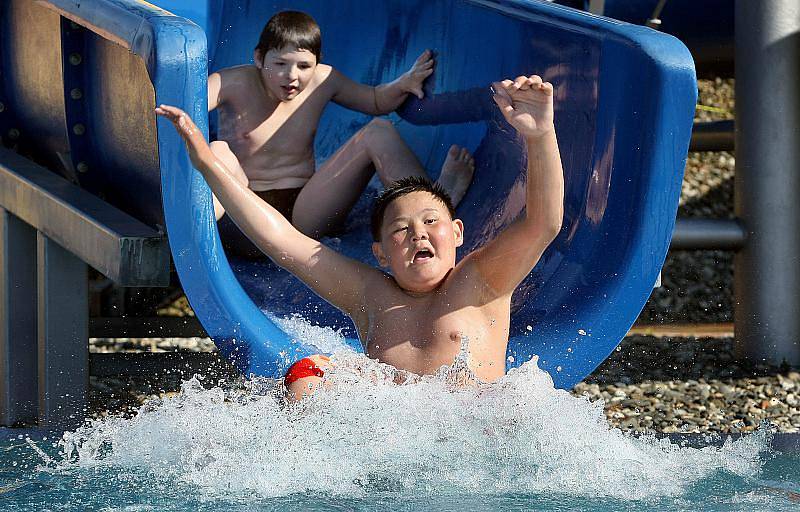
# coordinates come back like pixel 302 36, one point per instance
pixel 259 127
pixel 422 337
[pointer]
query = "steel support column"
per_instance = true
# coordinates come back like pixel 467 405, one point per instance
pixel 18 385
pixel 767 277
pixel 63 312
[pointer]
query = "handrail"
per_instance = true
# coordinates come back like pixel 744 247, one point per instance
pixel 125 250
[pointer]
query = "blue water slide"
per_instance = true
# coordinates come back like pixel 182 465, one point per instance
pixel 625 97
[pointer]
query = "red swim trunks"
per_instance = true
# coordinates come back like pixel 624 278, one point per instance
pixel 305 367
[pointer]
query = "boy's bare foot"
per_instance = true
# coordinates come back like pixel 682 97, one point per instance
pixel 457 171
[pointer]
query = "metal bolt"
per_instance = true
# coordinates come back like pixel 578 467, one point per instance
pixel 76 94
pixel 82 167
pixel 655 23
pixel 75 58
pixel 79 129
pixel 13 134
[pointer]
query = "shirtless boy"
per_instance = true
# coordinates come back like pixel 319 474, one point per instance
pixel 415 317
pixel 268 116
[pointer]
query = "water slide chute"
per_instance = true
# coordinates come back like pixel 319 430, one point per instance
pixel 625 97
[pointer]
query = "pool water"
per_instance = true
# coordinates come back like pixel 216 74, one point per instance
pixel 433 443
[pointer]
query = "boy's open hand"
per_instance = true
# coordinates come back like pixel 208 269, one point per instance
pixel 412 79
pixel 527 104
pixel 196 144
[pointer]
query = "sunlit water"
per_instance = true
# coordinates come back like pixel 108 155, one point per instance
pixel 366 443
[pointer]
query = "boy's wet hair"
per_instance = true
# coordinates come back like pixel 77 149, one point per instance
pixel 400 188
pixel 291 28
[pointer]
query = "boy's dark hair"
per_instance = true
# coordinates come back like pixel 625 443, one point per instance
pixel 291 28
pixel 400 188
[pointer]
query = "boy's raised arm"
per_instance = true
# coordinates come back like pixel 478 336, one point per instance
pixel 214 90
pixel 339 280
pixel 383 98
pixel 527 104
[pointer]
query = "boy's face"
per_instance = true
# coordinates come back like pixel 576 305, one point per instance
pixel 286 72
pixel 418 241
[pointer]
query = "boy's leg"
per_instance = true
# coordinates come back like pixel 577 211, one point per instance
pixel 302 388
pixel 306 376
pixel 223 152
pixel 326 199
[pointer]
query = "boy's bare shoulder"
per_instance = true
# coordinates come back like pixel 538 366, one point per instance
pixel 381 283
pixel 240 70
pixel 468 280
pixel 323 73
pixel 382 287
pixel 235 74
pixel 235 84
pixel 242 76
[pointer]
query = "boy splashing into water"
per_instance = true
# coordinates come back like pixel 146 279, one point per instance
pixel 268 116
pixel 416 317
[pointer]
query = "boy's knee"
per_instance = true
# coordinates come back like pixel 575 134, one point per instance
pixel 219 146
pixel 380 125
pixel 309 225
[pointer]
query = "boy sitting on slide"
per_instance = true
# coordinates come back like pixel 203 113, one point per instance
pixel 415 317
pixel 268 116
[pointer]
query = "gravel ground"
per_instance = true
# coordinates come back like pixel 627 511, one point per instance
pixel 648 383
pixel 697 286
pixel 692 385
pixel 114 345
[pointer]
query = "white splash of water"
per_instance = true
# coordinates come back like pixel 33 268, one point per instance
pixel 326 339
pixel 365 433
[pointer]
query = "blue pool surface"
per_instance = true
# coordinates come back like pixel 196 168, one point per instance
pixel 25 485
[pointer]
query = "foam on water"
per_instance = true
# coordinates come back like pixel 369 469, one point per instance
pixel 430 435
pixel 327 340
